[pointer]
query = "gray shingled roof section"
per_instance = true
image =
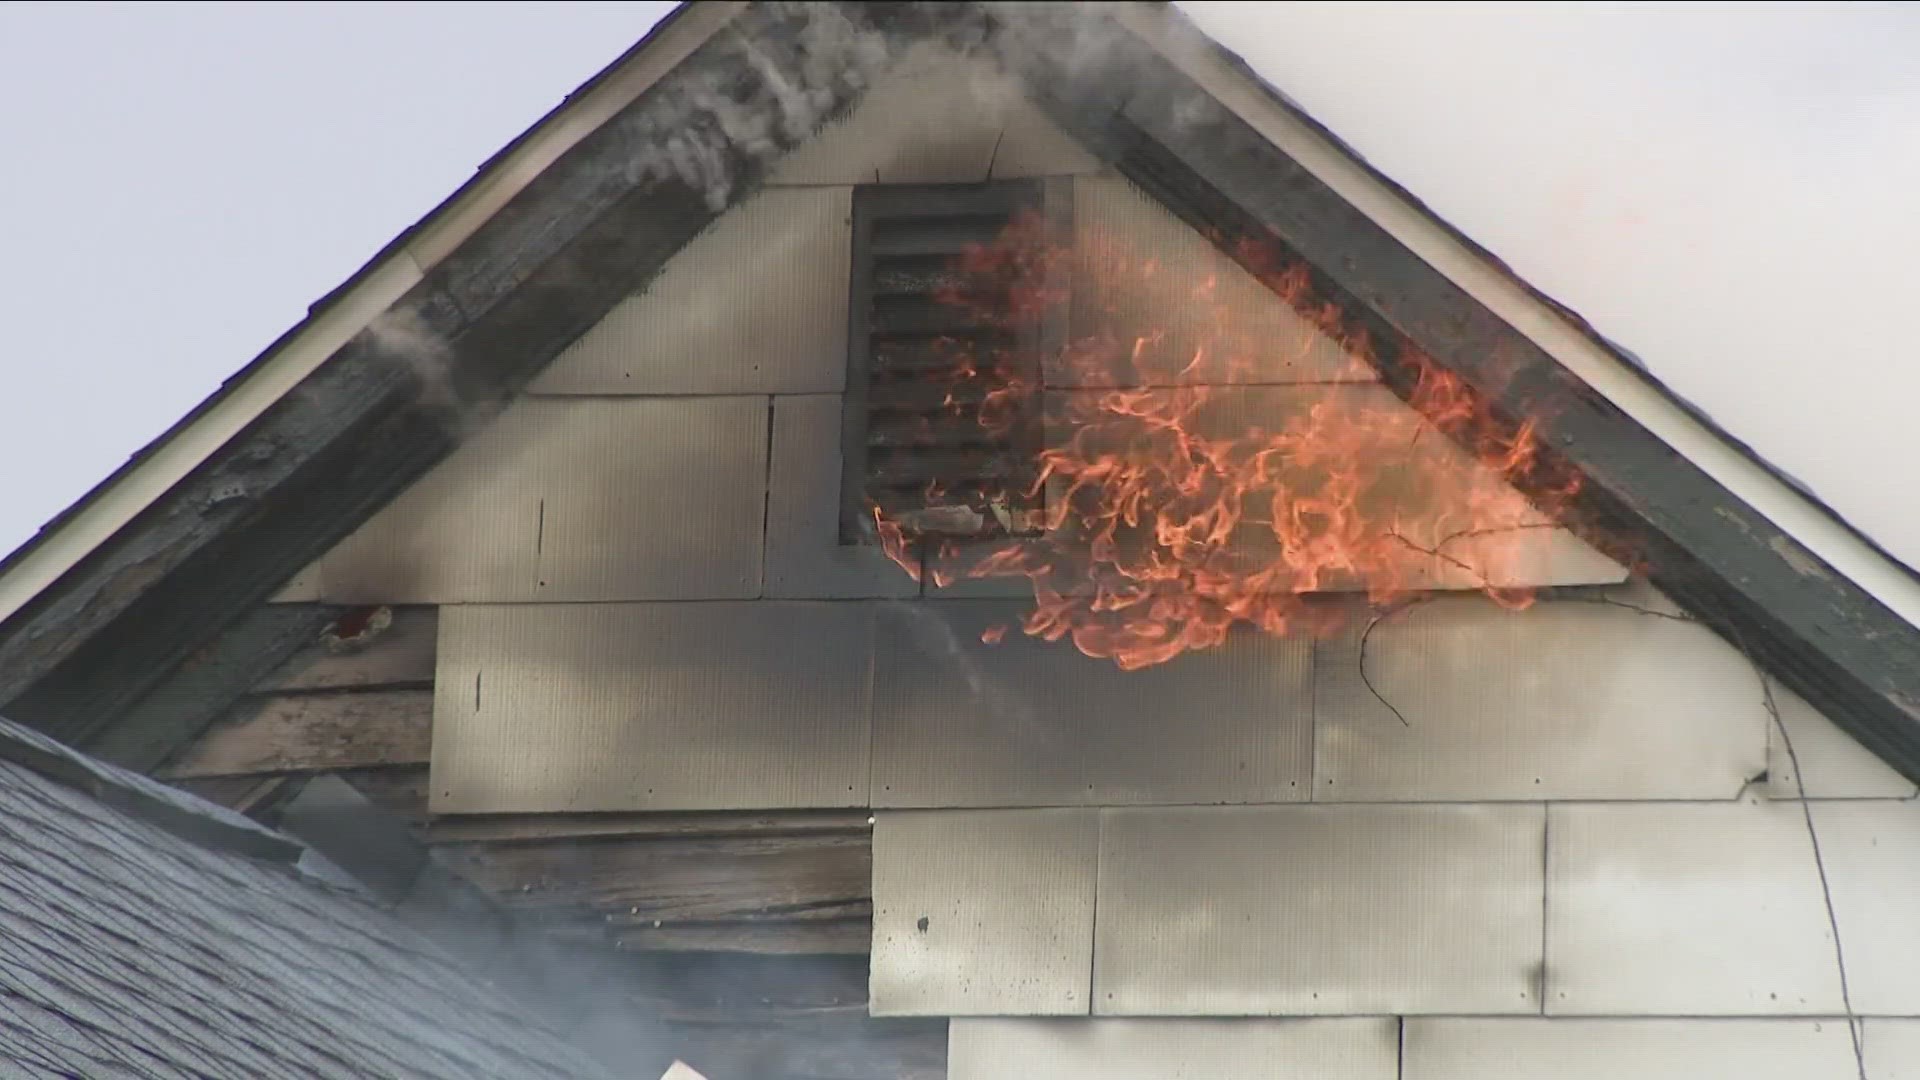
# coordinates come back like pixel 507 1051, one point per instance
pixel 127 950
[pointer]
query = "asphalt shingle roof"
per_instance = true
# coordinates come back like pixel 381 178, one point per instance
pixel 128 949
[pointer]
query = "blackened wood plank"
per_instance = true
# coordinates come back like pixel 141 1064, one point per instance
pixel 508 828
pixel 852 936
pixel 753 878
pixel 399 655
pixel 315 732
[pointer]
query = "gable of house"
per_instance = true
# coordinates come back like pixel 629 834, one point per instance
pixel 620 655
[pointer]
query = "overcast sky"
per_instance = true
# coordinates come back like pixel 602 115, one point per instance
pixel 1734 193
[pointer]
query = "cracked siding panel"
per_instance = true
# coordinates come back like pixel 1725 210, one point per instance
pixel 1032 145
pixel 1565 1049
pixel 983 912
pixel 1158 1049
pixel 805 558
pixel 1689 909
pixel 582 499
pixel 936 118
pixel 1300 910
pixel 1564 700
pixel 1892 1049
pixel 1031 723
pixel 757 303
pixel 1832 764
pixel 1872 855
pixel 679 706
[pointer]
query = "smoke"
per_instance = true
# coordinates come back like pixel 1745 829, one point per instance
pixel 403 336
pixel 935 637
pixel 704 130
pixel 1731 197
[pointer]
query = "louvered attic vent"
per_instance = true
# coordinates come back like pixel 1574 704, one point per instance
pixel 923 315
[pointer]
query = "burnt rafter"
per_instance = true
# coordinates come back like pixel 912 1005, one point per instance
pixel 1821 634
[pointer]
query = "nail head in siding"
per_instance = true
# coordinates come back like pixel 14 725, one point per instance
pixel 1008 899
pixel 757 303
pixel 1574 1049
pixel 677 706
pixel 1690 909
pixel 1563 700
pixel 1032 723
pixel 805 558
pixel 1359 1048
pixel 1277 910
pixel 1872 855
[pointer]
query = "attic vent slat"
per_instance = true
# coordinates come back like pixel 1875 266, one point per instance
pixel 915 446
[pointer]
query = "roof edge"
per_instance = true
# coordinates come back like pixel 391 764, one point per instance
pixel 1555 328
pixel 336 318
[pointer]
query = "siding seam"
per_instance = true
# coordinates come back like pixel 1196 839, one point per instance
pixel 1546 868
pixel 1819 864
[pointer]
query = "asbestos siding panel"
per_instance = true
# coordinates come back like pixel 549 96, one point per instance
pixel 1687 909
pixel 467 530
pixel 981 912
pixel 1872 855
pixel 805 558
pixel 1892 1049
pixel 1564 700
pixel 1159 1049
pixel 958 722
pixel 1832 764
pixel 600 707
pixel 575 500
pixel 656 500
pixel 1144 275
pixel 1298 910
pixel 757 303
pixel 936 119
pixel 1565 1049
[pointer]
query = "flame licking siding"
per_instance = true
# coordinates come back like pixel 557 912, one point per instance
pixel 912 425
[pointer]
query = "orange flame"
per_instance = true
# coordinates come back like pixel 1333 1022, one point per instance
pixel 1180 495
